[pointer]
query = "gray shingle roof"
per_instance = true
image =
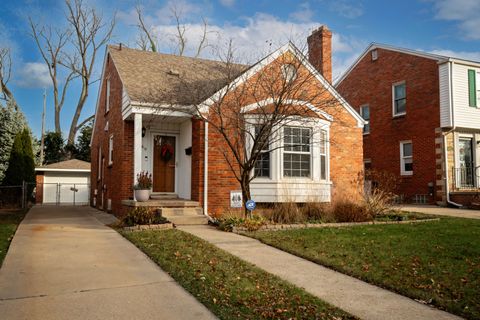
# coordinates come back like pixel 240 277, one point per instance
pixel 73 164
pixel 159 78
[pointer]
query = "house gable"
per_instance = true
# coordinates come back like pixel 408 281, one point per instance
pixel 287 49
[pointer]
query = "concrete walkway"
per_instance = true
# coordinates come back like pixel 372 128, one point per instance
pixel 440 211
pixel 63 263
pixel 357 297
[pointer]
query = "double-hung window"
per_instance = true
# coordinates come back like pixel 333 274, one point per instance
pixel 296 152
pixel 365 113
pixel 406 158
pixel 473 88
pixel 323 155
pixel 110 150
pixel 399 92
pixel 262 166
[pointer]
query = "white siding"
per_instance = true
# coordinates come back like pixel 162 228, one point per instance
pixel 464 115
pixel 294 191
pixel 444 79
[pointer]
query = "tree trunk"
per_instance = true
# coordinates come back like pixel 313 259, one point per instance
pixel 78 111
pixel 245 185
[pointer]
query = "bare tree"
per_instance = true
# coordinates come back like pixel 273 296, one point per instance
pixel 72 53
pixel 51 43
pixel 146 40
pixel 5 74
pixel 90 33
pixel 249 115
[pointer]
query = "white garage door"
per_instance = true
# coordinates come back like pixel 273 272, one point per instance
pixel 66 188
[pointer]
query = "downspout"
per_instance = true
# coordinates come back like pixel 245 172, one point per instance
pixel 445 155
pixel 205 172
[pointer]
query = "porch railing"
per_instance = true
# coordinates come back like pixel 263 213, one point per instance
pixel 467 177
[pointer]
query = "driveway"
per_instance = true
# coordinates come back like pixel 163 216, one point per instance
pixel 63 263
pixel 441 211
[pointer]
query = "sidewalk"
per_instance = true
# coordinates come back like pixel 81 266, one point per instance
pixel 440 211
pixel 63 263
pixel 352 295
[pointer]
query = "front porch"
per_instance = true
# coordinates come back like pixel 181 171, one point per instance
pixel 163 147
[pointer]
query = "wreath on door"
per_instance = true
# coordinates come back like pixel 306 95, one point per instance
pixel 166 152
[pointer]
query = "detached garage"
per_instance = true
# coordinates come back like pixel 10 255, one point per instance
pixel 65 182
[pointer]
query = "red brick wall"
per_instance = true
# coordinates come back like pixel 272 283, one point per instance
pixel 346 150
pixel 39 191
pixel 198 160
pixel 370 82
pixel 118 177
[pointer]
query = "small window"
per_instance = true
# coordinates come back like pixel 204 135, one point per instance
pixel 107 97
pixel 99 169
pixel 399 93
pixel 289 72
pixel 110 150
pixel 296 153
pixel 323 155
pixel 367 165
pixel 374 55
pixel 365 113
pixel 262 166
pixel 406 158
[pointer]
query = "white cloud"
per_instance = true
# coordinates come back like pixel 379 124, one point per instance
pixel 467 55
pixel 34 75
pixel 347 10
pixel 465 12
pixel 227 3
pixel 303 14
pixel 258 36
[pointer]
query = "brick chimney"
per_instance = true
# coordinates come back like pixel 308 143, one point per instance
pixel 320 51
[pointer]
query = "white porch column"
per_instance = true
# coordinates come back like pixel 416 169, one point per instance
pixel 137 145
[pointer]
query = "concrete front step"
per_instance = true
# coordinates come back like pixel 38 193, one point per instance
pixel 189 211
pixel 164 196
pixel 188 220
pixel 167 203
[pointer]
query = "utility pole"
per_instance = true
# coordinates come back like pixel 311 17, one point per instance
pixel 42 142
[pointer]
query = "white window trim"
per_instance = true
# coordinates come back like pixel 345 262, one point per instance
pixel 252 131
pixel 110 150
pixel 366 121
pixel 310 152
pixel 276 155
pixel 107 96
pixel 402 159
pixel 393 99
pixel 457 138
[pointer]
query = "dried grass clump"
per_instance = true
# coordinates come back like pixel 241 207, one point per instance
pixel 287 212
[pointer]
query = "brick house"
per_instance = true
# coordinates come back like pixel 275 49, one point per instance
pixel 139 119
pixel 423 113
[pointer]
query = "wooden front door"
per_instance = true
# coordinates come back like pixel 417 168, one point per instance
pixel 163 164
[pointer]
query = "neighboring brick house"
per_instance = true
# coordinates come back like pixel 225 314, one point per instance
pixel 423 113
pixel 136 123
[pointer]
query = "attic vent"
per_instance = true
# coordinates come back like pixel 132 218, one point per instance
pixel 374 55
pixel 174 72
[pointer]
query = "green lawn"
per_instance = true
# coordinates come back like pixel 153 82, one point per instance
pixel 228 286
pixel 9 220
pixel 437 262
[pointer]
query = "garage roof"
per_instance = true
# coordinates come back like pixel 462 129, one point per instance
pixel 73 165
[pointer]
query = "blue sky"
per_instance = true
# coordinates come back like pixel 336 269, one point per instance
pixel 255 27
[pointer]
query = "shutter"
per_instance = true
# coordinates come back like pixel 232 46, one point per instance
pixel 472 90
